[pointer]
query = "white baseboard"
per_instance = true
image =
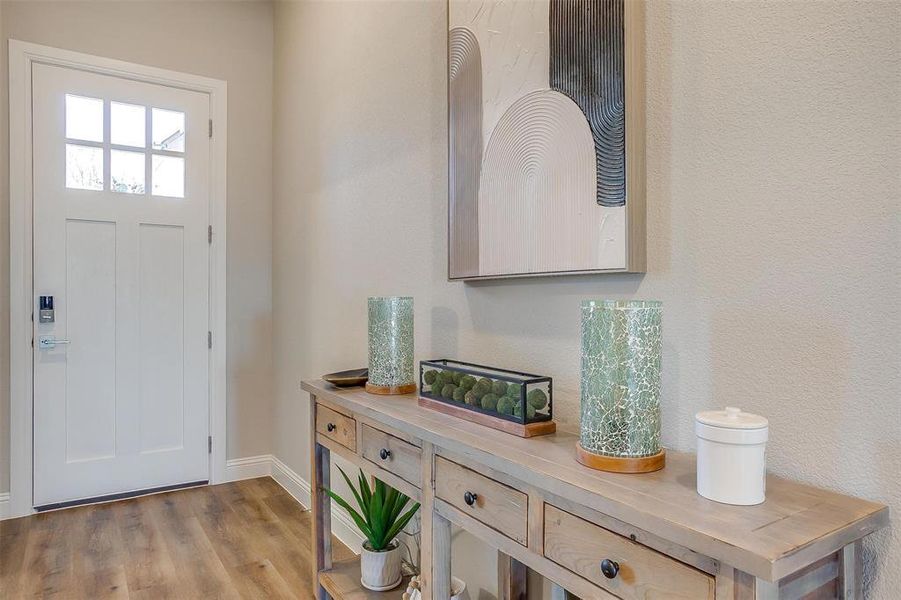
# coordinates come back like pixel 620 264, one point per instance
pixel 260 466
pixel 248 468
pixel 291 481
pixel 4 505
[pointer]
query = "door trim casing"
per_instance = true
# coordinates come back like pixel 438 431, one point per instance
pixel 22 56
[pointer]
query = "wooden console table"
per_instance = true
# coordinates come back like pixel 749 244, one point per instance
pixel 599 535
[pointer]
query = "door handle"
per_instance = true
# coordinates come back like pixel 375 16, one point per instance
pixel 47 342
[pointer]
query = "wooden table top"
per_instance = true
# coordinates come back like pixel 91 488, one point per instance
pixel 796 525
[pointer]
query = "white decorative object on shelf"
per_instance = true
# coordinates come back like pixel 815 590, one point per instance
pixel 458 590
pixel 732 456
pixel 381 570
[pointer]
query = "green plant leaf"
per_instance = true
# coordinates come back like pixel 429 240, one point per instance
pixel 395 505
pixel 401 523
pixel 388 508
pixel 358 519
pixel 365 491
pixel 388 515
pixel 354 490
pixel 402 501
pixel 376 519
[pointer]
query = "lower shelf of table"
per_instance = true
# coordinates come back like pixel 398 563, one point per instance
pixel 342 582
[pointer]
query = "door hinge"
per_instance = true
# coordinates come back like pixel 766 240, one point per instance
pixel 209 339
pixel 209 444
pixel 211 128
pixel 209 234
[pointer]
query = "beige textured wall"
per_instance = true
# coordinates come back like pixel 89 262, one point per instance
pixel 774 137
pixel 4 265
pixel 226 40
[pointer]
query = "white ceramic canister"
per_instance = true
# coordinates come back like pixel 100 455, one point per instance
pixel 732 456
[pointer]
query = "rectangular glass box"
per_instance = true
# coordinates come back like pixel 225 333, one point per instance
pixel 522 398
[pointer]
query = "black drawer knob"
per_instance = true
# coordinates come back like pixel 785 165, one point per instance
pixel 330 427
pixel 384 453
pixel 610 568
pixel 470 498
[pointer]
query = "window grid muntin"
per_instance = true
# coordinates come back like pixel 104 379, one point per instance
pixel 148 150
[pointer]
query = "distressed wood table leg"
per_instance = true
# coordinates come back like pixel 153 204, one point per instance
pixel 441 557
pixel 725 583
pixel 512 578
pixel 765 590
pixel 321 507
pixel 851 563
pixel 435 563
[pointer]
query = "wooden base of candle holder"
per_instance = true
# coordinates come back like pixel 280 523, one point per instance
pixel 618 464
pixel 390 390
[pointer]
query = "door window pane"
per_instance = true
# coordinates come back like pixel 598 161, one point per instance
pixel 84 118
pixel 84 167
pixel 168 176
pixel 168 130
pixel 127 125
pixel 127 171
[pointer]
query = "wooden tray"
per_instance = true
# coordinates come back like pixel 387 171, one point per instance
pixel 522 430
pixel 351 378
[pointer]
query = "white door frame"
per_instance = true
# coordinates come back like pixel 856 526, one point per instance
pixel 22 55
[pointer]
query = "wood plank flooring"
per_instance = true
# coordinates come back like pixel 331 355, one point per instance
pixel 247 539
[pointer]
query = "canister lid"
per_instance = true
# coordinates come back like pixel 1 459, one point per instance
pixel 731 418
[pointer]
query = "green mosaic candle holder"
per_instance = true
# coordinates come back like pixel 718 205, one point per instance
pixel 391 345
pixel 620 426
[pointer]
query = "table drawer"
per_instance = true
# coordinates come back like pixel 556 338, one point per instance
pixel 392 454
pixel 640 572
pixel 337 427
pixel 496 505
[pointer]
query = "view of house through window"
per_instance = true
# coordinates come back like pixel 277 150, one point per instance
pixel 95 125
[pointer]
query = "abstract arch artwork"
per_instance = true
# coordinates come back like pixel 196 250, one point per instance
pixel 546 137
pixel 465 148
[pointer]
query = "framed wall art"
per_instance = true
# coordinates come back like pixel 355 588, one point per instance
pixel 546 137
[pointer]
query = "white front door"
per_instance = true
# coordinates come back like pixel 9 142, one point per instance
pixel 121 209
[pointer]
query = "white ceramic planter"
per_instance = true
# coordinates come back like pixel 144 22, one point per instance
pixel 732 456
pixel 380 571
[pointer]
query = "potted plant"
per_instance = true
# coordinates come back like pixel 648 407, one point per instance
pixel 381 519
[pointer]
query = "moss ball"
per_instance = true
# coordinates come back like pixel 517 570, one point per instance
pixel 505 405
pixel 448 391
pixel 530 411
pixel 438 382
pixel 499 387
pixel 458 394
pixel 514 390
pixel 444 378
pixel 467 382
pixel 537 399
pixel 429 377
pixel 470 398
pixel 485 383
pixel 458 377
pixel 489 401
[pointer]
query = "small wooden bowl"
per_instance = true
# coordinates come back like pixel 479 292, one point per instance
pixel 351 378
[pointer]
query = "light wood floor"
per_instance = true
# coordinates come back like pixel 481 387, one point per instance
pixel 248 539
